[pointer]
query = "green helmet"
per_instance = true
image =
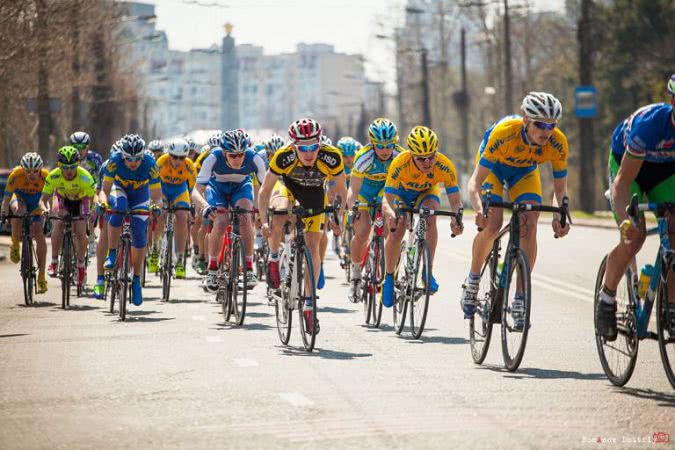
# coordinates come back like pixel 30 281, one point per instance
pixel 68 155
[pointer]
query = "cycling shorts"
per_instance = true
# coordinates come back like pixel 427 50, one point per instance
pixel 523 183
pixel 414 199
pixel 131 200
pixel 226 195
pixel 75 208
pixel 30 201
pixel 177 195
pixel 313 224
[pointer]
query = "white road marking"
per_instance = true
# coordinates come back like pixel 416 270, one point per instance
pixel 296 399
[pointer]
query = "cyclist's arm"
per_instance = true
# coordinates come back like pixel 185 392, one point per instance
pixel 559 190
pixel 475 182
pixel 156 195
pixel 628 171
pixel 265 193
pixel 44 201
pixel 341 190
pixel 198 196
pixel 106 186
pixel 5 204
pixel 354 189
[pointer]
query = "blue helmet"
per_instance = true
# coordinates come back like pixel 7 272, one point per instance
pixel 235 141
pixel 383 131
pixel 349 146
pixel 132 145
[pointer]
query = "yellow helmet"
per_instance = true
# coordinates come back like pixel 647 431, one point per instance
pixel 422 141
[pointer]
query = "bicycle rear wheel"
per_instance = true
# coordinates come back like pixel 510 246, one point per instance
pixel 480 325
pixel 618 357
pixel 665 329
pixel 27 270
pixel 376 283
pixel 111 289
pixel 237 276
pixel 419 300
pixel 66 270
pixel 514 339
pixel 305 262
pixel 283 314
pixel 400 299
pixel 123 281
pixel 167 266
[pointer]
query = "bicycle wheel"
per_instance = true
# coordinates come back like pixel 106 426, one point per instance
pixel 513 339
pixel 665 329
pixel 79 288
pixel 376 283
pixel 66 270
pixel 166 267
pixel 305 262
pixel 145 268
pixel 27 270
pixel 283 313
pixel 480 325
pixel 111 289
pixel 123 281
pixel 238 281
pixel 420 293
pixel 618 357
pixel 400 299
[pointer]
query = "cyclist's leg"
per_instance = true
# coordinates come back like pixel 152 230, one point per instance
pixel 17 206
pixel 361 225
pixel 313 234
pixel 80 208
pixel 431 199
pixel 57 228
pixel 525 187
pixel 664 192
pixel 37 231
pixel 281 199
pixel 220 197
pixel 392 244
pixel 243 198
pixel 139 200
pixel 181 220
pixel 118 201
pixel 482 243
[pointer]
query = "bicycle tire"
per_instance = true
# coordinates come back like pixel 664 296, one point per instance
pixel 123 282
pixel 400 305
pixel 167 266
pixel 67 270
pixel 419 307
pixel 27 270
pixel 520 266
pixel 664 330
pixel 144 269
pixel 79 288
pixel 377 305
pixel 238 298
pixel 362 291
pixel 305 259
pixel 627 330
pixel 111 289
pixel 479 337
pixel 283 315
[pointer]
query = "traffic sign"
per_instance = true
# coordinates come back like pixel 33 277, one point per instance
pixel 585 103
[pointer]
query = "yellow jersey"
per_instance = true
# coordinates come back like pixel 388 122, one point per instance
pixel 506 143
pixel 403 175
pixel 168 174
pixel 19 183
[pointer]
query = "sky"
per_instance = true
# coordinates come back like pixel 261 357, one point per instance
pixel 278 25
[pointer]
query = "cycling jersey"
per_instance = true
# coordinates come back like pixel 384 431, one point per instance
pixel 18 183
pixel 373 171
pixel 80 187
pixel 184 175
pixel 649 134
pixel 506 143
pixel 263 154
pixel 93 163
pixel 202 156
pixel 147 173
pixel 215 169
pixel 404 175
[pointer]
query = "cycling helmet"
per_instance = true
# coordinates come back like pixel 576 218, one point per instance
pixel 541 105
pixel 155 146
pixel 274 143
pixel 31 161
pixel 179 148
pixel 348 146
pixel 259 147
pixel 671 85
pixel 325 140
pixel 214 139
pixel 132 146
pixel 192 145
pixel 304 129
pixel 68 155
pixel 80 138
pixel 382 131
pixel 235 141
pixel 422 141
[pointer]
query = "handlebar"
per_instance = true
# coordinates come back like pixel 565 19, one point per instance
pixel 426 212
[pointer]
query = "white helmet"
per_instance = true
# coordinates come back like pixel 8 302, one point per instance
pixel 31 161
pixel 541 105
pixel 179 148
pixel 155 146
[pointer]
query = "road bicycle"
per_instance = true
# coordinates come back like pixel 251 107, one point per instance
pixel 67 268
pixel 166 262
pixel 27 268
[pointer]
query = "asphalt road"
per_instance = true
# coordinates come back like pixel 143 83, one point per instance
pixel 174 376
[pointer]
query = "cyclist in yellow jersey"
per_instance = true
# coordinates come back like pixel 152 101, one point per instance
pixel 177 176
pixel 72 189
pixel 303 166
pixel 22 194
pixel 510 155
pixel 414 179
pixel 157 148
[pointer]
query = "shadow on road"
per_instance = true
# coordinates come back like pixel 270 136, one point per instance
pixel 133 318
pixel 437 340
pixel 245 326
pixel 323 353
pixel 13 335
pixel 333 310
pixel 546 374
pixel 36 305
pixel 77 308
pixel 258 314
pixel 382 327
pixel 663 399
pixel 185 300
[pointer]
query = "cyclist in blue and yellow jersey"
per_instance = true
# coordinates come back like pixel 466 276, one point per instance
pixel 642 162
pixel 178 176
pixel 509 155
pixel 71 189
pixel 130 180
pixel 22 194
pixel 414 180
pixel 224 182
pixel 369 174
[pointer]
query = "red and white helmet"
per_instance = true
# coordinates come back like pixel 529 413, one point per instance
pixel 304 129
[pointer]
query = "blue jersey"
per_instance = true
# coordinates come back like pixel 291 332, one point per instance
pixel 372 169
pixel 263 154
pixel 147 174
pixel 93 163
pixel 649 134
pixel 215 169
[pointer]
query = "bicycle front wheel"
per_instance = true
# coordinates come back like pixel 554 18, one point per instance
pixel 66 270
pixel 111 289
pixel 27 270
pixel 167 267
pixel 480 325
pixel 514 335
pixel 308 330
pixel 400 299
pixel 618 357
pixel 238 281
pixel 123 284
pixel 420 293
pixel 665 328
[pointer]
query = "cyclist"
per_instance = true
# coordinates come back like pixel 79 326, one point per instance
pixel 22 194
pixel 131 178
pixel 642 162
pixel 303 166
pixel 194 150
pixel 92 161
pixel 156 148
pixel 413 180
pixel 368 178
pixel 178 176
pixel 509 155
pixel 72 189
pixel 224 182
pixel 273 144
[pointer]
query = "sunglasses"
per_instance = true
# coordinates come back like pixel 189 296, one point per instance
pixel 424 158
pixel 384 146
pixel 133 159
pixel 544 125
pixel 179 158
pixel 69 166
pixel 81 146
pixel 235 155
pixel 308 148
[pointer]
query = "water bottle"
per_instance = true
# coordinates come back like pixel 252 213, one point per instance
pixel 645 277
